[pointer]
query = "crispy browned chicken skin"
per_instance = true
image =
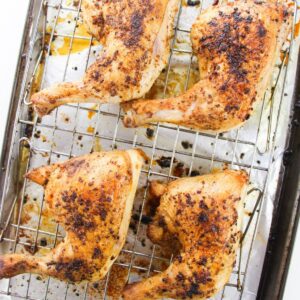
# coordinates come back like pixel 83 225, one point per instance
pixel 136 36
pixel 92 198
pixel 204 214
pixel 237 45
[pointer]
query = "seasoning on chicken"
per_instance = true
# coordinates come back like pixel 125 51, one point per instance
pixel 91 197
pixel 204 214
pixel 237 44
pixel 136 37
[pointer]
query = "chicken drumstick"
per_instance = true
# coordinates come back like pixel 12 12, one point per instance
pixel 204 214
pixel 92 198
pixel 136 37
pixel 237 44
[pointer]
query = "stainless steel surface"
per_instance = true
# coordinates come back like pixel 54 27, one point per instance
pixel 81 134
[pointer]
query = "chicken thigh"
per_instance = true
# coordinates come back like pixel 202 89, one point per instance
pixel 204 214
pixel 91 197
pixel 237 44
pixel 136 36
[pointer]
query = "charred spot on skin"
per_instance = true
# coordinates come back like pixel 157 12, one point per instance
pixel 113 89
pixel 189 201
pixel 230 108
pixel 96 75
pixel 165 280
pixel 136 21
pixel 261 30
pixel 68 198
pixel 224 39
pixel 237 15
pixel 203 205
pixel 128 79
pixel 79 222
pixel 97 253
pixel 98 20
pixel 246 91
pixel 223 87
pixel 249 19
pixel 103 214
pixel 162 222
pixel 285 13
pixel 180 277
pixel 70 268
pixel 178 258
pixel 103 198
pixel 74 165
pixel 136 29
pixel 203 217
pixel 202 261
pixel 247 117
pixel 193 290
pixel 215 228
pixel 201 278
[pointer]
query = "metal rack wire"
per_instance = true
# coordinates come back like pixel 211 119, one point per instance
pixel 14 226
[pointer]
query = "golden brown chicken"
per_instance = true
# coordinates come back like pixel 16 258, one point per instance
pixel 237 44
pixel 91 197
pixel 204 214
pixel 136 36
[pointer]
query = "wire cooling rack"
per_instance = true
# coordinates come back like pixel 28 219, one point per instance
pixel 173 152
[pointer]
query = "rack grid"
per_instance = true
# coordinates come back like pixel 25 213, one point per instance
pixel 62 140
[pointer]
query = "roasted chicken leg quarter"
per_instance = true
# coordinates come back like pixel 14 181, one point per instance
pixel 136 37
pixel 204 214
pixel 92 198
pixel 237 44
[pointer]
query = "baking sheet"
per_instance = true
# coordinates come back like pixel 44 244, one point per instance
pixel 74 130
